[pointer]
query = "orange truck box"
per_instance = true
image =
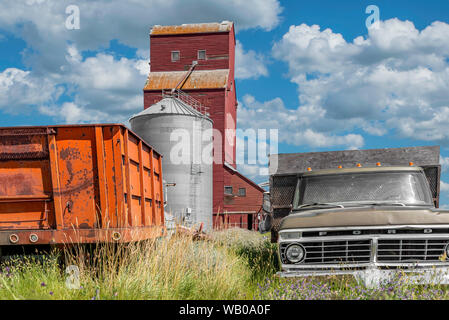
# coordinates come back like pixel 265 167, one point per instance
pixel 78 184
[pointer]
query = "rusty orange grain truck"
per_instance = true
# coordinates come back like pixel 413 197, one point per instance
pixel 78 184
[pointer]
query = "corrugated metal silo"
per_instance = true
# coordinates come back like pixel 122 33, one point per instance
pixel 183 136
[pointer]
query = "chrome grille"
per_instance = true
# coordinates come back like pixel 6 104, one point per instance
pixel 410 250
pixel 334 252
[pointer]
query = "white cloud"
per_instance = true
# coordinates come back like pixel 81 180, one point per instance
pixel 72 113
pixel 444 187
pixel 249 65
pixel 253 172
pixel 104 87
pixel 103 72
pixel 298 127
pixel 393 81
pixel 305 126
pixel 444 162
pixel 20 90
pixel 42 23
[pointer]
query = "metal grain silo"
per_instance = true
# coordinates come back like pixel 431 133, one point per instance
pixel 183 136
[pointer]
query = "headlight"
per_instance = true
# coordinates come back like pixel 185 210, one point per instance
pixel 295 253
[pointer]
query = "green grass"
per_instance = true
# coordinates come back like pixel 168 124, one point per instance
pixel 168 268
pixel 259 254
pixel 235 264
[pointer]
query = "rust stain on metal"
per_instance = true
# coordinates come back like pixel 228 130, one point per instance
pixel 22 147
pixel 17 184
pixel 70 172
pixel 70 154
pixel 225 26
pixel 200 79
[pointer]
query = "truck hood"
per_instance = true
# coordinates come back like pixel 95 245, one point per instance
pixel 365 216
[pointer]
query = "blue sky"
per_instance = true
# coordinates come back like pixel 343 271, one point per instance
pixel 311 69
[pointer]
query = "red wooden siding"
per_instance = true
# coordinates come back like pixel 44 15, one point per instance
pixel 216 46
pixel 252 202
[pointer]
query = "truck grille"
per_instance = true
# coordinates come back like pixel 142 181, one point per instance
pixel 408 250
pixel 344 251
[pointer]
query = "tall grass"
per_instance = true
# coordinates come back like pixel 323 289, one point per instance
pixel 258 252
pixel 168 268
pixel 234 264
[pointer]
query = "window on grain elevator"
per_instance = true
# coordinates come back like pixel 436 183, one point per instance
pixel 242 192
pixel 228 190
pixel 175 55
pixel 201 54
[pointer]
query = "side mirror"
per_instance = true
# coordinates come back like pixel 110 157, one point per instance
pixel 265 223
pixel 265 216
pixel 266 206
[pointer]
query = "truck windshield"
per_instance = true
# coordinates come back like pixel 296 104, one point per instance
pixel 406 188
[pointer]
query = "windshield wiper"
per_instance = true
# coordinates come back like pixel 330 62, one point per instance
pixel 315 204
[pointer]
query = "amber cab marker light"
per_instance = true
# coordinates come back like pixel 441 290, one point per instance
pixel 309 169
pixel 410 163
pixel 378 164
pixel 359 165
pixel 339 167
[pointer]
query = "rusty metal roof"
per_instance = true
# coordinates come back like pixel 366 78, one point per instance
pixel 199 79
pixel 224 26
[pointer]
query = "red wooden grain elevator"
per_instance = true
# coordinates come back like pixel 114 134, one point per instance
pixel 236 199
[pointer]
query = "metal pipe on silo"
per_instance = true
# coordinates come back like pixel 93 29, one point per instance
pixel 183 136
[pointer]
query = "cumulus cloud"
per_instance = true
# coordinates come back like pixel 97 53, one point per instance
pixel 72 113
pixel 101 85
pixel 394 80
pixel 305 126
pixel 249 64
pixel 444 162
pixel 444 187
pixel 42 24
pixel 20 90
pixel 107 84
pixel 253 172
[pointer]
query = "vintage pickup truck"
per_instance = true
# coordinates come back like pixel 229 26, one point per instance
pixel 358 217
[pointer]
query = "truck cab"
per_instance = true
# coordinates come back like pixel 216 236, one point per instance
pixel 356 219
